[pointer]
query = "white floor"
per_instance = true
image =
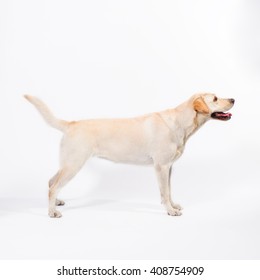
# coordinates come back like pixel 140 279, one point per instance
pixel 120 216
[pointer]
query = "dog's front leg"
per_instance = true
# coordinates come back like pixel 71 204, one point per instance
pixel 174 205
pixel 163 175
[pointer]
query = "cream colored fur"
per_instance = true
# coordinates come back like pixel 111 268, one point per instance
pixel 156 139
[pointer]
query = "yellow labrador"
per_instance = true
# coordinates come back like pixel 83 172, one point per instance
pixel 157 139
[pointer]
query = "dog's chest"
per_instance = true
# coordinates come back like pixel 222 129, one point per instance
pixel 178 141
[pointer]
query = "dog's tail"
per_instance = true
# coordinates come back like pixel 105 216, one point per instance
pixel 47 114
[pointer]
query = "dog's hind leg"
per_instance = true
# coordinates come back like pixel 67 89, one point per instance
pixel 64 175
pixel 61 178
pixel 72 158
pixel 51 182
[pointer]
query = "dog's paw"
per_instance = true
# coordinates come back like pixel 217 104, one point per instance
pixel 59 202
pixel 55 214
pixel 176 206
pixel 174 212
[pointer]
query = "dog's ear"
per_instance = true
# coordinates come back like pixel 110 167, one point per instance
pixel 200 106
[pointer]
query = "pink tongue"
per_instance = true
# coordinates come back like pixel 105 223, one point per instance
pixel 224 114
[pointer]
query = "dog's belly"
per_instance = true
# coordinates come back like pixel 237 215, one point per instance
pixel 125 156
pixel 129 160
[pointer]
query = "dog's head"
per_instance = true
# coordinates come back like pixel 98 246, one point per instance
pixel 210 106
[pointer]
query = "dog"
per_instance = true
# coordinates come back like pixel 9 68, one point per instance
pixel 156 139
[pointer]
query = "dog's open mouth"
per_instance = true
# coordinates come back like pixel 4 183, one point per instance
pixel 221 116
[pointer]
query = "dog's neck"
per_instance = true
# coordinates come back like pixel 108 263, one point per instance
pixel 192 120
pixel 195 122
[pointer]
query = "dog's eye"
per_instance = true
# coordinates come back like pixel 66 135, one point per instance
pixel 215 99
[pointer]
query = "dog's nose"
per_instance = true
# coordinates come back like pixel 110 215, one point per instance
pixel 232 100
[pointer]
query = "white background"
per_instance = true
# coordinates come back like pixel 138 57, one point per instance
pixel 90 59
